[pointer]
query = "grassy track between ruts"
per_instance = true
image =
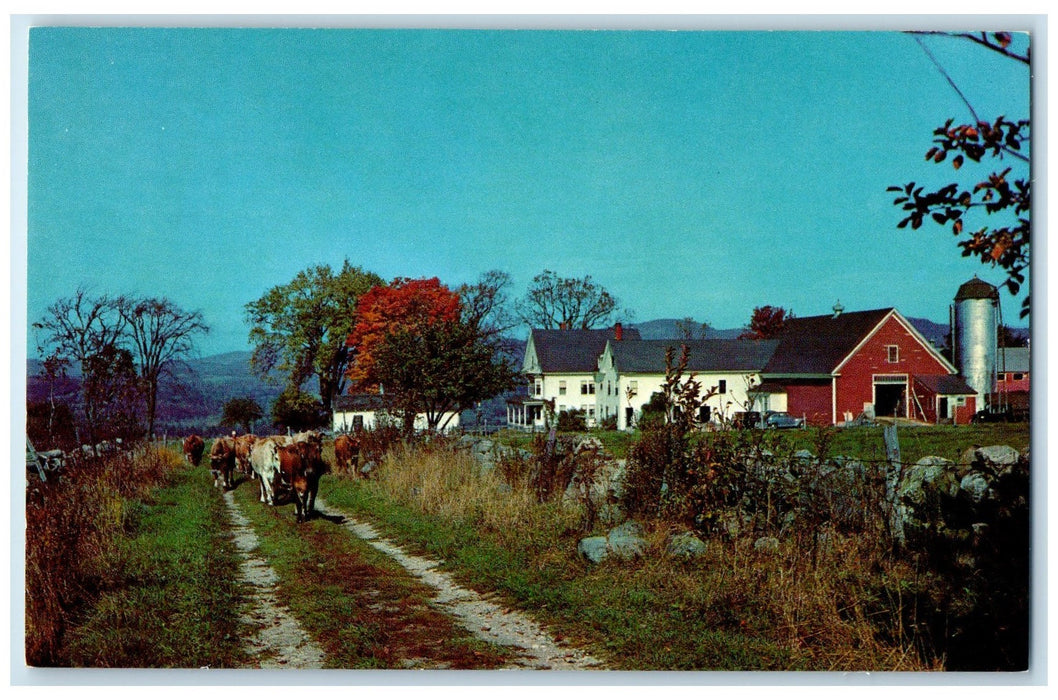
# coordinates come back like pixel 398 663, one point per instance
pixel 169 597
pixel 363 609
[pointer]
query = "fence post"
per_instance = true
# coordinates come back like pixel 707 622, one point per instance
pixel 893 476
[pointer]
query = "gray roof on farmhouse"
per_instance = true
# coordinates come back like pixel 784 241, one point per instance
pixel 648 356
pixel 359 402
pixel 573 350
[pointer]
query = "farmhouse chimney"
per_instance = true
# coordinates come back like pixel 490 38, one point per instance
pixel 618 331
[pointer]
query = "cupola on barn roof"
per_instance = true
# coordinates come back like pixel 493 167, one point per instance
pixel 976 289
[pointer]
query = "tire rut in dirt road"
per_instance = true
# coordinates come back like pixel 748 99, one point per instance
pixel 535 648
pixel 278 640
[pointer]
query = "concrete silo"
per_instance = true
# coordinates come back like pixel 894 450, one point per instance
pixel 975 337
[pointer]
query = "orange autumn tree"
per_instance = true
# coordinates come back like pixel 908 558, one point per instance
pixel 408 305
pixel 431 353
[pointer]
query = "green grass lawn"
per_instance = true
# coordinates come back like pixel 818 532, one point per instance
pixel 168 597
pixel 916 441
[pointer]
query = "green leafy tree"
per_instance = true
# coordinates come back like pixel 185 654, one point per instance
pixel 991 217
pixel 298 411
pixel 439 370
pixel 242 411
pixel 300 328
pixel 567 302
pixel 766 322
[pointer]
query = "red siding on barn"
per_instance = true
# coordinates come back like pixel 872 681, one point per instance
pixel 855 386
pixel 963 414
pixel 809 398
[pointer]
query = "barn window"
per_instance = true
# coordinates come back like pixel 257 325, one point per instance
pixel 892 353
pixel 1018 376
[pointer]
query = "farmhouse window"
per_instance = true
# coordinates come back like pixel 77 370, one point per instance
pixel 721 386
pixel 587 387
pixel 538 388
pixel 892 353
pixel 562 388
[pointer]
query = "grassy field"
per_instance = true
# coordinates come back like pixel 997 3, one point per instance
pixel 916 441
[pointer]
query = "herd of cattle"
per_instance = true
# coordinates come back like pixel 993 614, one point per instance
pixel 280 463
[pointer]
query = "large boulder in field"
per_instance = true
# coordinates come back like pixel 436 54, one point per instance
pixel 627 541
pixel 594 549
pixel 685 546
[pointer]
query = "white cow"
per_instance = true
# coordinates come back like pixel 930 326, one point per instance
pixel 264 460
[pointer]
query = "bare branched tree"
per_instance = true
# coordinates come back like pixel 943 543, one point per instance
pixel 161 332
pixel 80 329
pixel 567 302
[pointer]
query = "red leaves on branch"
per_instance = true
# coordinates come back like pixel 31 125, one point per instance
pixel 406 305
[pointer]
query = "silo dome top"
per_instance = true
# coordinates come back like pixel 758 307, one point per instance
pixel 976 289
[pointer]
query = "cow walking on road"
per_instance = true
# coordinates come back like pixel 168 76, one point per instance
pixel 222 462
pixel 194 446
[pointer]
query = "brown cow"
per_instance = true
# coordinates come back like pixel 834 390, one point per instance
pixel 222 462
pixel 243 445
pixel 193 448
pixel 346 454
pixel 301 465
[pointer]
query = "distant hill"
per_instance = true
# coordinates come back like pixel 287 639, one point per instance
pixel 666 328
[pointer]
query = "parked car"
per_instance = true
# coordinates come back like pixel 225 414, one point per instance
pixel 986 416
pixel 782 419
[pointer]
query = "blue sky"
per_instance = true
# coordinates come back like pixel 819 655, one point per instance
pixel 691 173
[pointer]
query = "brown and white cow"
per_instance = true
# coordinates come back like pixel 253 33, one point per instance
pixel 222 462
pixel 301 465
pixel 194 446
pixel 243 444
pixel 346 454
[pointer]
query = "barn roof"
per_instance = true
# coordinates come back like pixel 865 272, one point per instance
pixel 1014 360
pixel 574 350
pixel 946 385
pixel 818 344
pixel 715 355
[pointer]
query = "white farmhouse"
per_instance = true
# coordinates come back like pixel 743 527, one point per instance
pixel 630 372
pixel 353 412
pixel 560 366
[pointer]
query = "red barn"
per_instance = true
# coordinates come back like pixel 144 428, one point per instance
pixel 831 369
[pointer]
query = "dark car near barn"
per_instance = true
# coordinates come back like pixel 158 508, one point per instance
pixel 782 420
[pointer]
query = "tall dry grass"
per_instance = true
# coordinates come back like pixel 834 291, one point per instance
pixel 819 604
pixel 72 522
pixel 451 485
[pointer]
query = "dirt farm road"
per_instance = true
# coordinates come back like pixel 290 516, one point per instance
pixel 280 642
